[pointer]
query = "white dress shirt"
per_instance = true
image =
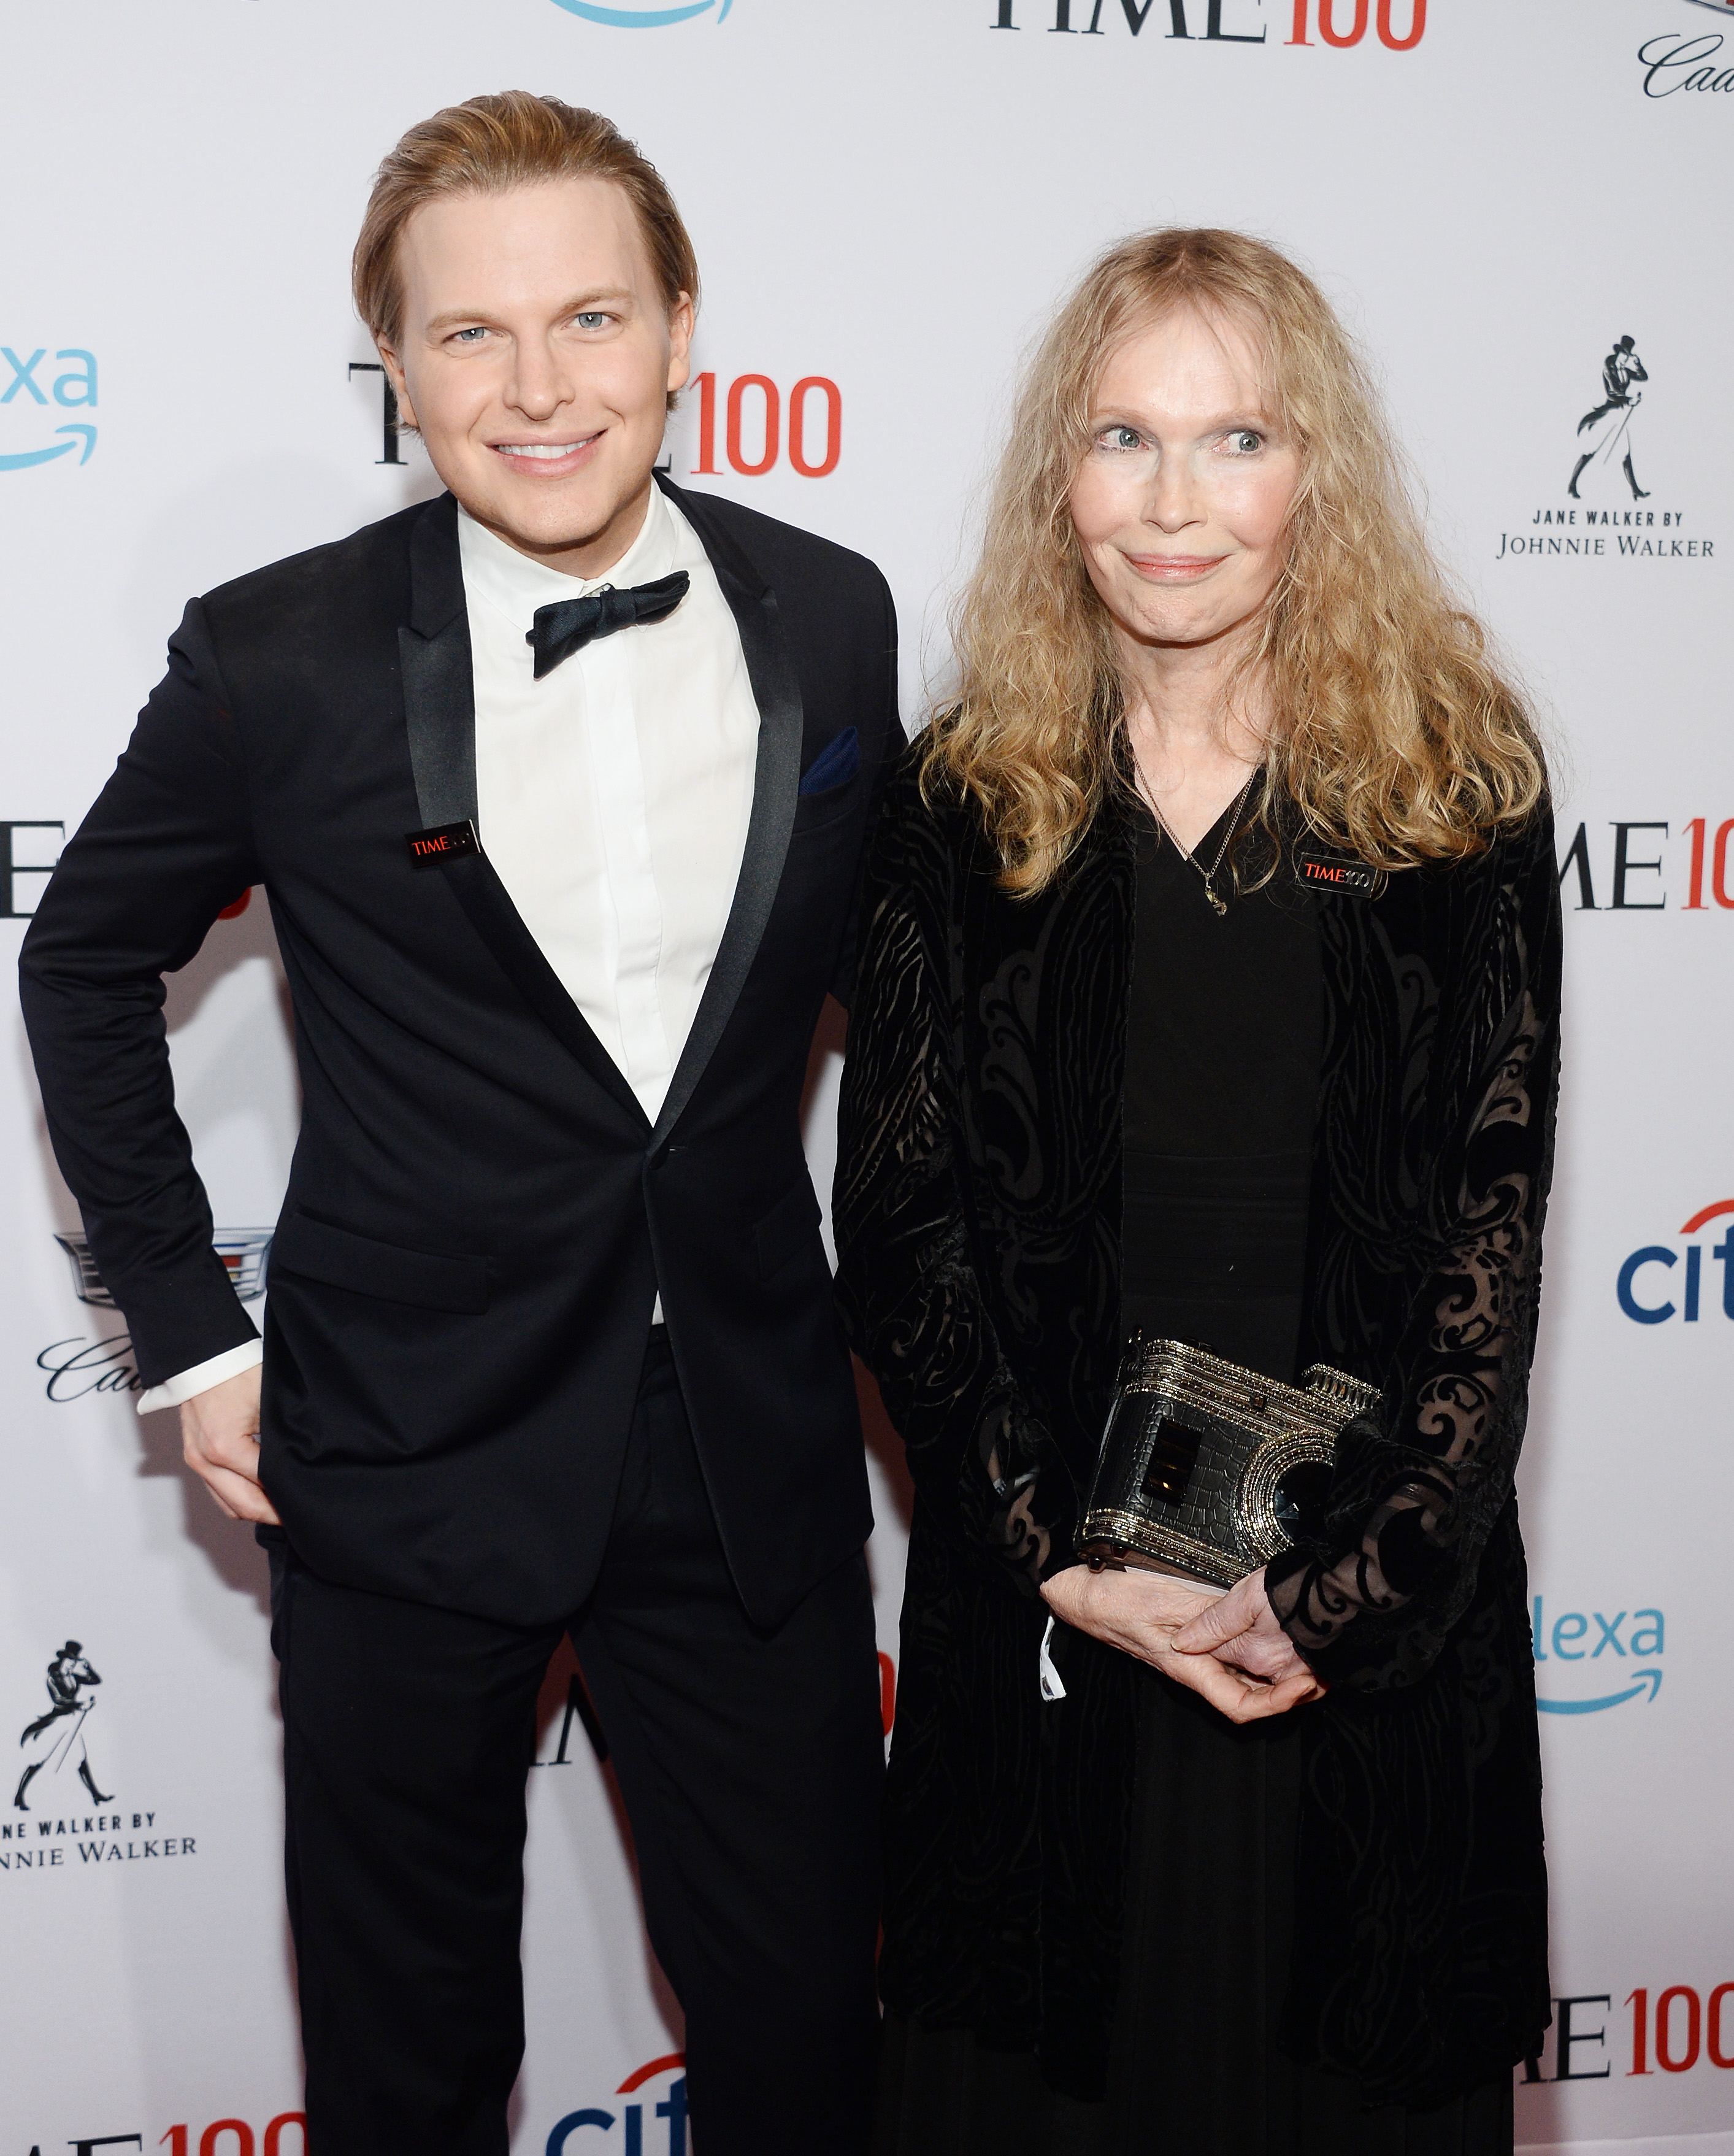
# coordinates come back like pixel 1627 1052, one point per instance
pixel 613 798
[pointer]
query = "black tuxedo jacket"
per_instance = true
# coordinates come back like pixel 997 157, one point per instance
pixel 479 1215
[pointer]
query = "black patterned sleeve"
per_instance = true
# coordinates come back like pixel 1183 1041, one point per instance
pixel 1417 1489
pixel 907 1282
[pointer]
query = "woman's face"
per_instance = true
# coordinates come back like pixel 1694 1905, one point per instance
pixel 1181 503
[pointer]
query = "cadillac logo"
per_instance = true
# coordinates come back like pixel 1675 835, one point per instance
pixel 242 1250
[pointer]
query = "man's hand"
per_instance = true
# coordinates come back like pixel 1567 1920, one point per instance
pixel 219 1436
pixel 1145 1614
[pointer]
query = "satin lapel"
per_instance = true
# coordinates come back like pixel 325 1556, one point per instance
pixel 439 713
pixel 776 785
pixel 439 688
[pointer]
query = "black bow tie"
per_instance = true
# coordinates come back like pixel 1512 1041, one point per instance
pixel 569 624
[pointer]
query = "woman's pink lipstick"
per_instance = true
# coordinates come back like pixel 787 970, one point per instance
pixel 1174 569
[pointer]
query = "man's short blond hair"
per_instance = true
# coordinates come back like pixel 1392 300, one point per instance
pixel 487 144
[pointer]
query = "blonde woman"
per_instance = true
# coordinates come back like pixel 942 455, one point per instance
pixel 1267 1880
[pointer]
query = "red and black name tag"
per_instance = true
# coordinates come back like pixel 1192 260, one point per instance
pixel 1337 872
pixel 445 842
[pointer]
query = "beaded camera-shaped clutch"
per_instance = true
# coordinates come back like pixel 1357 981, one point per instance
pixel 1208 1470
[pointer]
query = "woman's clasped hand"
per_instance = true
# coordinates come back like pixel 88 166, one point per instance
pixel 1228 1648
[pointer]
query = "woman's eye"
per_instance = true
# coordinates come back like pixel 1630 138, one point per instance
pixel 1245 442
pixel 1122 438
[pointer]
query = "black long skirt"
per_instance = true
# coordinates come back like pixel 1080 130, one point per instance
pixel 1196 2067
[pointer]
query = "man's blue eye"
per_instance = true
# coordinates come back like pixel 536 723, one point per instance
pixel 591 320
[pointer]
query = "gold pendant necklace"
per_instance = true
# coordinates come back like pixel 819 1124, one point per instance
pixel 1220 905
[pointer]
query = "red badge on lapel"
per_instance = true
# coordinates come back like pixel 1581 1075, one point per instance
pixel 445 842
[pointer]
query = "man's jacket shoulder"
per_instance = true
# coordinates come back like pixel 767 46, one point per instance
pixel 370 568
pixel 783 554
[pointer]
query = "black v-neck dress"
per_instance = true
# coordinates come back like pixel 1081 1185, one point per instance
pixel 1222 1076
pixel 1223 1041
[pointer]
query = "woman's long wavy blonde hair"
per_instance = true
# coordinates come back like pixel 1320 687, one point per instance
pixel 1393 733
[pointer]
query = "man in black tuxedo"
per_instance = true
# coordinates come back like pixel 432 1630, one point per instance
pixel 557 787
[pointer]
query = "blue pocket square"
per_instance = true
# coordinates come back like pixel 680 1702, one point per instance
pixel 836 763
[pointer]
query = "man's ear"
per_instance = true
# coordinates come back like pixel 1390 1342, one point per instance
pixel 400 389
pixel 681 317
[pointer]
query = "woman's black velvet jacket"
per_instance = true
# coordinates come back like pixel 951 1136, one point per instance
pixel 977 1211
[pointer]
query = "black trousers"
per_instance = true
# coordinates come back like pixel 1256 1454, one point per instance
pixel 749 1765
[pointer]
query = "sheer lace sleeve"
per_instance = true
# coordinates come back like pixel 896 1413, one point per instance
pixel 911 1301
pixel 1419 1485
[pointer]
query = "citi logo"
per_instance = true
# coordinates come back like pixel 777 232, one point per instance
pixel 1637 1292
pixel 631 2119
pixel 642 14
pixel 30 384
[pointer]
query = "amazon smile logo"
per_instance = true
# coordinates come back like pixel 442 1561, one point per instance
pixel 645 14
pixel 24 391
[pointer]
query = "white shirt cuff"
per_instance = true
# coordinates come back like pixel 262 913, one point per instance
pixel 203 1376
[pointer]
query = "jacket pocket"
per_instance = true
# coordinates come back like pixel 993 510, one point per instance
pixel 313 1250
pixel 786 1229
pixel 834 766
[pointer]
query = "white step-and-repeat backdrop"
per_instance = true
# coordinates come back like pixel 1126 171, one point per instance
pixel 1518 205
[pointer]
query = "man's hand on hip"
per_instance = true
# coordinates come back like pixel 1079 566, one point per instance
pixel 219 1436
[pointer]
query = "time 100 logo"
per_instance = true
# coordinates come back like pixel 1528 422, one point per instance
pixel 1331 31
pixel 753 413
pixel 1339 22
pixel 1677 2025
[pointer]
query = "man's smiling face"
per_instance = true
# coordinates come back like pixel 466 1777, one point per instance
pixel 537 354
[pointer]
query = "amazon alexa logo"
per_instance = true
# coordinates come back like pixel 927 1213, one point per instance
pixel 35 392
pixel 645 14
